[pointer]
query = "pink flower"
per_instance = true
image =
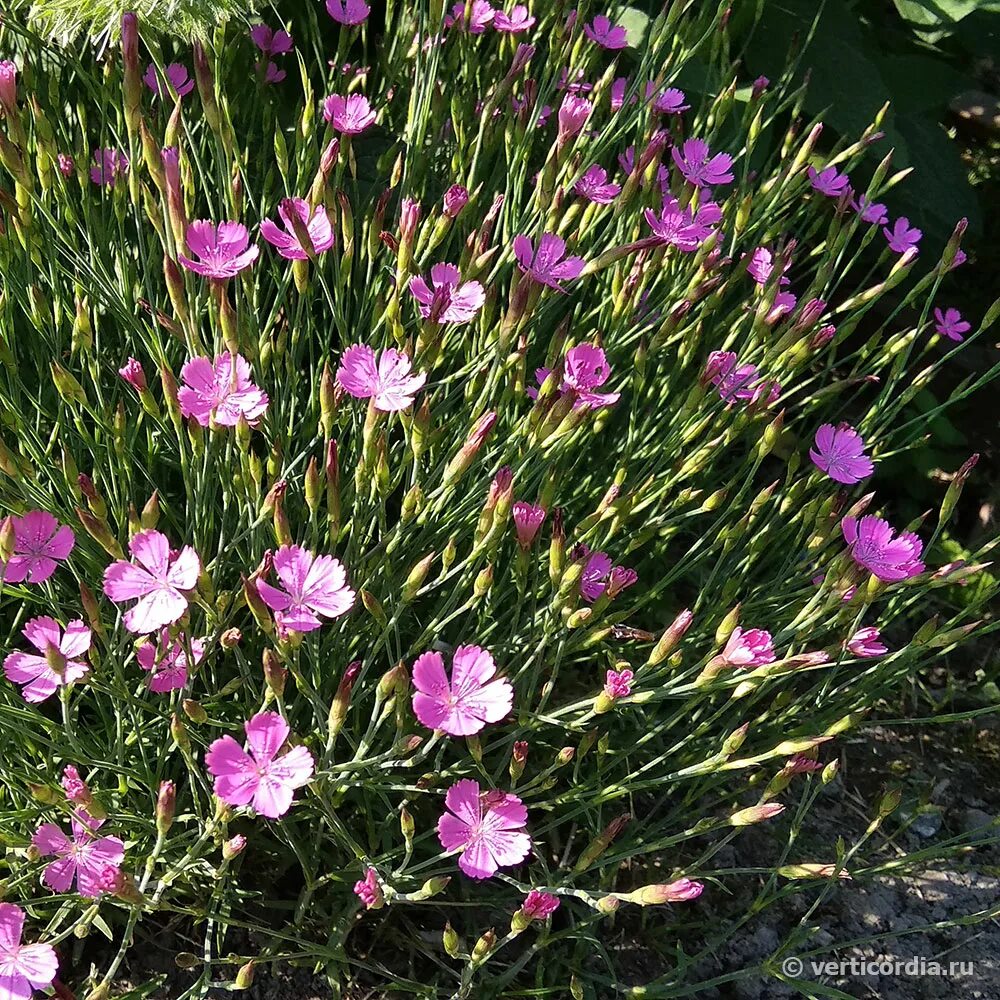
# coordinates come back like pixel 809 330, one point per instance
pixel 388 384
pixel 60 660
pixel 867 643
pixel 527 520
pixel 875 547
pixel 606 34
pixel 735 381
pixel 272 74
pixel 840 453
pixel 480 16
pixel 671 102
pixel 314 586
pixel 269 41
pixel 585 369
pixel 109 165
pixel 313 220
pixel 950 324
pixel 85 857
pixel 828 181
pixel 594 186
pixel 599 575
pixel 488 828
pixel 215 393
pixel 40 542
pixel 679 227
pixel 24 968
pixel 761 266
pixel 177 80
pixel 750 648
pixel 455 199
pixel 66 164
pixel 348 12
pixel 538 905
pixel 618 684
pixel 901 237
pixel 516 21
pixel 157 577
pixel 575 84
pixel 167 661
pixel 75 787
pixel 8 86
pixel 350 115
pixel 260 777
pixel 699 167
pixel 132 373
pixel 466 703
pixel 547 265
pixel 573 114
pixel 451 301
pixel 369 891
pixel 222 250
pixel 874 213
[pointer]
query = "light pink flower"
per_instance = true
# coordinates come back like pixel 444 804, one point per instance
pixel 177 80
pixel 215 392
pixel 132 373
pixel 452 300
pixel 527 520
pixel 167 661
pixel 480 16
pixel 516 21
pixel 369 891
pixel 748 648
pixel 315 222
pixel 828 181
pixel 60 661
pixel 488 828
pixel 269 41
pixel 594 186
pixel 350 115
pixel 157 577
pixel 348 12
pixel 573 114
pixel 259 777
pixel 950 324
pixel 901 237
pixel 86 858
pixel 840 453
pixel 40 542
pixel 314 586
pixel 388 383
pixel 867 643
pixel 618 684
pixel 75 787
pixel 463 705
pixel 222 250
pixel 24 968
pixel 538 905
pixel 875 547
pixel 549 264
pixel 606 34
pixel 8 86
pixel 109 166
pixel 699 167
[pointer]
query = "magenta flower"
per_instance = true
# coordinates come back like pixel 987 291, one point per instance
pixel 875 547
pixel 527 521
pixel 159 579
pixel 466 703
pixel 901 237
pixel 369 891
pixel 222 250
pixel 60 661
pixel 738 382
pixel 516 21
pixel 874 213
pixel 313 220
pixel 451 300
pixel 24 968
pixel 548 265
pixel 679 227
pixel 8 86
pixel 217 393
pixel 750 648
pixel 177 80
pixel 600 575
pixel 699 167
pixel 40 543
pixel 67 165
pixel 269 41
pixel 867 643
pixel 840 453
pixel 348 12
pixel 606 34
pixel 538 905
pixel 617 93
pixel 272 74
pixel 950 324
pixel 575 84
pixel 455 199
pixel 314 586
pixel 761 266
pixel 586 369
pixel 259 777
pixel 828 181
pixel 480 17
pixel 350 115
pixel 167 661
pixel 671 102
pixel 573 114
pixel 594 186
pixel 487 828
pixel 388 384
pixel 109 166
pixel 132 373
pixel 75 787
pixel 86 857
pixel 618 684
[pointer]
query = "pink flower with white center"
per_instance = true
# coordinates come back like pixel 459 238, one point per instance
pixel 699 167
pixel 828 181
pixel 950 324
pixel 167 661
pixel 594 186
pixel 487 827
pixel 40 543
pixel 480 17
pixel 901 237
pixel 159 579
pixel 86 858
pixel 255 774
pixel 221 392
pixel 840 453
pixel 748 648
pixel 585 369
pixel 600 575
pixel 680 227
pixel 349 115
pixel 61 660
pixel 527 521
pixel 518 20
pixel 875 547
pixel 132 373
pixel 867 643
pixel 874 213
pixel 348 12
pixel 369 891
pixel 223 249
pixel 618 684
pixel 388 383
pixel 463 705
pixel 75 787
pixel 573 114
pixel 538 905
pixel 606 34
pixel 671 102
pixel 109 166
pixel 8 86
pixel 548 265
pixel 315 588
pixel 455 199
pixel 269 41
pixel 177 80
pixel 451 300
pixel 285 238
pixel 24 968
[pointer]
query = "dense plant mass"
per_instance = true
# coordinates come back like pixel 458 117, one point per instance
pixel 441 466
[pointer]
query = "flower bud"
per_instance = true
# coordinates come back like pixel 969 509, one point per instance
pixel 755 814
pixel 244 978
pixel 416 577
pixel 450 941
pixel 670 638
pixel 484 946
pixel 233 847
pixel 275 675
pixel 342 699
pixel 165 804
pixel 194 711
